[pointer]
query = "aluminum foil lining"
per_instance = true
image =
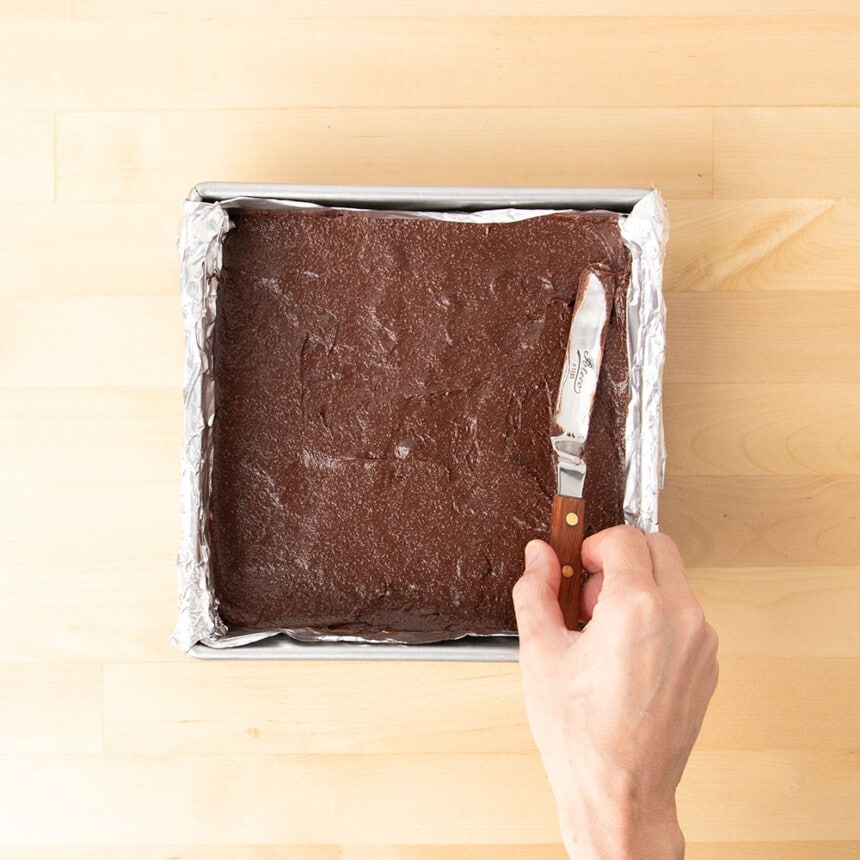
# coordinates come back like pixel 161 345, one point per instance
pixel 644 230
pixel 200 265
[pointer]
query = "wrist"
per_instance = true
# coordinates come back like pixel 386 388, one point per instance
pixel 623 830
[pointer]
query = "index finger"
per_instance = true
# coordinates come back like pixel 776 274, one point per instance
pixel 621 554
pixel 539 620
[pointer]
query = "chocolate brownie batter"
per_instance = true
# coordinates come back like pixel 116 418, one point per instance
pixel 384 391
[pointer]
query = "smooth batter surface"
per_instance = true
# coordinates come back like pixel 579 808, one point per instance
pixel 384 394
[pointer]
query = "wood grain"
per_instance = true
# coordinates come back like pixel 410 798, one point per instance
pixel 748 337
pixel 772 245
pixel 35 10
pixel 174 852
pixel 800 780
pixel 27 166
pixel 99 245
pixel 797 850
pixel 758 704
pixel 266 10
pixel 118 436
pixel 469 709
pixel 51 708
pixel 116 603
pixel 116 457
pixel 318 709
pixel 370 62
pixel 153 156
pixel 782 611
pixel 107 341
pixel 777 520
pixel 501 797
pixel 761 429
pixel 199 799
pixel 786 152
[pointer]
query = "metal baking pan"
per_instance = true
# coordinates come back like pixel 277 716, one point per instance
pixel 493 649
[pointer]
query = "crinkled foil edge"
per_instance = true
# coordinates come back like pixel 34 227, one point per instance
pixel 200 247
pixel 644 232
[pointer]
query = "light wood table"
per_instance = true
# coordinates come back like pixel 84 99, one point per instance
pixel 115 746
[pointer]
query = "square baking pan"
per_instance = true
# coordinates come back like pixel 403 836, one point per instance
pixel 406 198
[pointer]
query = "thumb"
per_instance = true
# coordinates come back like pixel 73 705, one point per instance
pixel 539 617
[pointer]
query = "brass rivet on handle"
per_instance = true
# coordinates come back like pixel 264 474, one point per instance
pixel 571 519
pixel 567 571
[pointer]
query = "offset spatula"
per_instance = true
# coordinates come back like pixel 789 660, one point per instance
pixel 572 417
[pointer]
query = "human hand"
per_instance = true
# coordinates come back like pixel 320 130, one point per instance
pixel 615 709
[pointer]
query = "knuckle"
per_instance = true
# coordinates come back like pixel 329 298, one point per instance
pixel 663 543
pixel 658 539
pixel 624 539
pixel 631 536
pixel 693 617
pixel 643 607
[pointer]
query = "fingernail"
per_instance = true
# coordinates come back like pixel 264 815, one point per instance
pixel 532 549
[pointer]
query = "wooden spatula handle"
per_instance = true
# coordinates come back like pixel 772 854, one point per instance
pixel 565 537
